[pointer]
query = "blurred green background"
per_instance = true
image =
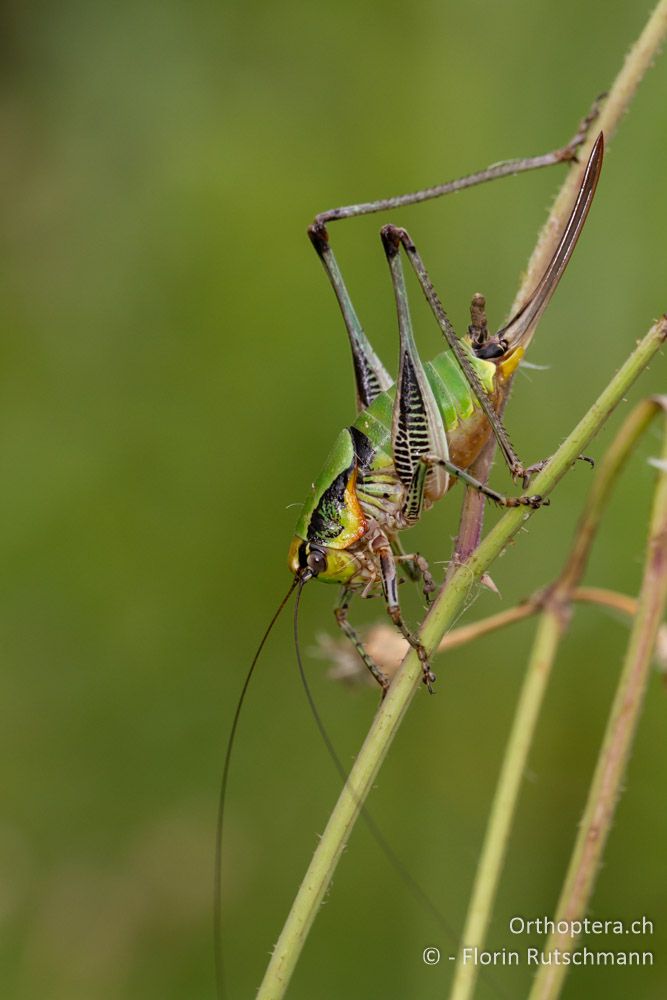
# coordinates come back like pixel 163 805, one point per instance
pixel 173 371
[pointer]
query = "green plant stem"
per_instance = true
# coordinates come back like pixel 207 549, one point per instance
pixel 381 640
pixel 547 638
pixel 615 458
pixel 556 602
pixel 443 612
pixel 464 634
pixel 610 769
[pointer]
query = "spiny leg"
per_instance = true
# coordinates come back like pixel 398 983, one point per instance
pixel 417 418
pixel 371 377
pixel 506 168
pixel 406 558
pixel 340 611
pixel 421 571
pixel 395 236
pixel 517 331
pixel 534 501
pixel 390 588
pixel 428 583
pixel 416 567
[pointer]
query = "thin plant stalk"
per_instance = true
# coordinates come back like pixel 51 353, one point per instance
pixel 384 645
pixel 600 596
pixel 637 62
pixel 494 849
pixel 611 766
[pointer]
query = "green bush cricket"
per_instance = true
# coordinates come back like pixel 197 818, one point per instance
pixel 410 441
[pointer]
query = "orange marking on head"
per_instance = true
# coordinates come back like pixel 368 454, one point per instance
pixel 293 554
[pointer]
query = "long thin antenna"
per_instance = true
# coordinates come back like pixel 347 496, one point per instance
pixel 220 825
pixel 379 837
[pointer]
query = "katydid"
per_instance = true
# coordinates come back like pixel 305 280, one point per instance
pixel 411 441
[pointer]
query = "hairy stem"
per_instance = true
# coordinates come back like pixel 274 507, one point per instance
pixel 637 62
pixel 606 785
pixel 556 602
pixel 387 648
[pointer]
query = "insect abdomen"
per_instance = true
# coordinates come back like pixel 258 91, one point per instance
pixel 456 400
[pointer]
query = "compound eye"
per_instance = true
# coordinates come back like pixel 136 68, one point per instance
pixel 317 561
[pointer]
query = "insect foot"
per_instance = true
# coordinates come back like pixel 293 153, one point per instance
pixel 392 237
pixel 535 501
pixel 525 473
pixel 429 677
pixel 319 237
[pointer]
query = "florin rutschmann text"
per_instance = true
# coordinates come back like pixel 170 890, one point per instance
pixel 557 956
pixel 571 929
pixel 567 933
